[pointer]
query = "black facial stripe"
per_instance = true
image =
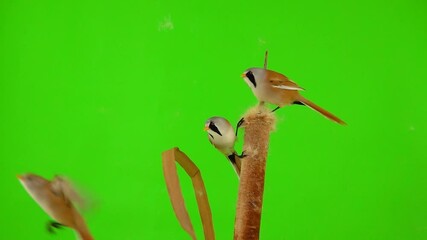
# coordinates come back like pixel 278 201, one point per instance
pixel 211 136
pixel 214 128
pixel 251 77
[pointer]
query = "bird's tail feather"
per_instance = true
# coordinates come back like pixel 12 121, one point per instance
pixel 322 111
pixel 236 169
pixel 84 235
pixel 236 162
pixel 81 228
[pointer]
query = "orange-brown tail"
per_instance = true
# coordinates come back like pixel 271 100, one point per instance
pixel 85 235
pixel 236 162
pixel 80 227
pixel 325 113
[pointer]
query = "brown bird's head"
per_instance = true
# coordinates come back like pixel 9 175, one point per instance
pixel 211 126
pixel 252 76
pixel 221 134
pixel 32 181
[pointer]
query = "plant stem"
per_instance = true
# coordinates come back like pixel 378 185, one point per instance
pixel 259 122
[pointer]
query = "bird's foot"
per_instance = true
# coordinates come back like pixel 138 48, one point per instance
pixel 51 225
pixel 275 109
pixel 241 121
pixel 243 155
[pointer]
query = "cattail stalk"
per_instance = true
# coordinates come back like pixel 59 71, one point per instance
pixel 259 122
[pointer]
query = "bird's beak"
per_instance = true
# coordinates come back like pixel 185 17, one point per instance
pixel 206 128
pixel 19 177
pixel 243 75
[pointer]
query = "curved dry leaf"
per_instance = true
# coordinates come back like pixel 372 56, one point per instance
pixel 172 182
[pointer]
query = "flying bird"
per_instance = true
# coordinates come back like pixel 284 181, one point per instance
pixel 58 199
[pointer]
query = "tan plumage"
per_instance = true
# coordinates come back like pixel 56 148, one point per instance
pixel 57 199
pixel 221 135
pixel 275 88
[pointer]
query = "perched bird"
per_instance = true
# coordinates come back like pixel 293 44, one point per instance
pixel 275 88
pixel 57 199
pixel 221 135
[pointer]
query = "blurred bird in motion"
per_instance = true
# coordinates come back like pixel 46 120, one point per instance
pixel 221 135
pixel 275 88
pixel 58 199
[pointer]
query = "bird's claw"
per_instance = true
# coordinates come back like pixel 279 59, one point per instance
pixel 243 155
pixel 275 109
pixel 241 121
pixel 51 225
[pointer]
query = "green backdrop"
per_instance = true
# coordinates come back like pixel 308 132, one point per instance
pixel 96 90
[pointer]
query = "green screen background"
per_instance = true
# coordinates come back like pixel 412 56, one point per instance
pixel 97 90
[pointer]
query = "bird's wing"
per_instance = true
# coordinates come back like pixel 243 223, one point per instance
pixel 278 80
pixel 62 187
